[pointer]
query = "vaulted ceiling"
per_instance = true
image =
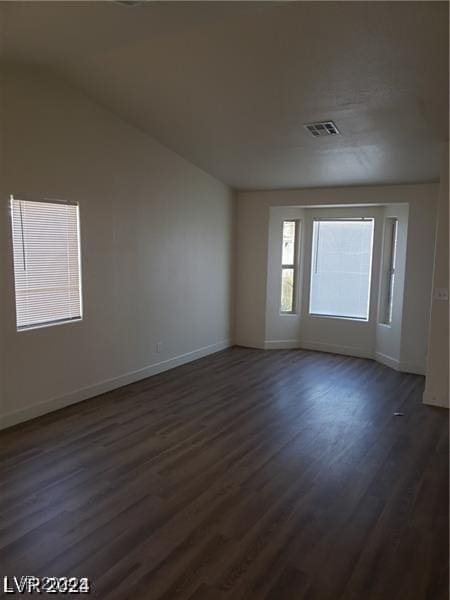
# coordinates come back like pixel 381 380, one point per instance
pixel 229 85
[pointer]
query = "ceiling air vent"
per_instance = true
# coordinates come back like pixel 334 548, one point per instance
pixel 130 2
pixel 322 128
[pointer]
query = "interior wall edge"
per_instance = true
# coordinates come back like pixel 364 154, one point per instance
pixel 249 343
pixel 36 410
pixel 437 368
pixel 431 399
pixel 398 365
pixel 406 367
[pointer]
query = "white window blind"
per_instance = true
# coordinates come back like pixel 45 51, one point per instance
pixel 47 272
pixel 341 267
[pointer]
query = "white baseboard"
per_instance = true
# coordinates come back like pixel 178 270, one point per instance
pixel 432 400
pixel 337 349
pixel 405 367
pixel 384 359
pixel 36 410
pixel 246 343
pixel 380 357
pixel 394 363
pixel 282 344
pixel 387 360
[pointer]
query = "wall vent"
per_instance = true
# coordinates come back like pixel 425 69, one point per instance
pixel 322 128
pixel 130 3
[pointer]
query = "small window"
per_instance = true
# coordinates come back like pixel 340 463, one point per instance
pixel 389 263
pixel 289 268
pixel 341 268
pixel 47 273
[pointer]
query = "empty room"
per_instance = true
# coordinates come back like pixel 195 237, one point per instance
pixel 224 316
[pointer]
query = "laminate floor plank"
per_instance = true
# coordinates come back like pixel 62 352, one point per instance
pixel 245 475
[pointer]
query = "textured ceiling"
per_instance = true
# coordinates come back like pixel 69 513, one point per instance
pixel 228 85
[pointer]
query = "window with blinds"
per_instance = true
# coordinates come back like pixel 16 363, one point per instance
pixel 341 267
pixel 47 271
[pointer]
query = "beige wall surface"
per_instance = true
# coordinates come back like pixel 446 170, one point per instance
pixel 2 236
pixel 253 328
pixel 437 384
pixel 156 243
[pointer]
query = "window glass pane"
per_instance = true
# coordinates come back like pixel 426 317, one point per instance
pixel 390 303
pixel 340 270
pixel 288 242
pixel 46 250
pixel 287 290
pixel 390 250
pixel 394 243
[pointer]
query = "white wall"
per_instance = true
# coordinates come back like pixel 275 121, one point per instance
pixel 251 273
pixel 2 238
pixel 259 328
pixel 156 240
pixel 437 385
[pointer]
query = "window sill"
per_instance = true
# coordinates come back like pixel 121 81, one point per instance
pixel 338 318
pixel 46 325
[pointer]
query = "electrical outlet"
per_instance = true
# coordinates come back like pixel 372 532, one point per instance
pixel 158 347
pixel 441 294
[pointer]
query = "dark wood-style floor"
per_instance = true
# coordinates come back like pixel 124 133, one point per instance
pixel 244 475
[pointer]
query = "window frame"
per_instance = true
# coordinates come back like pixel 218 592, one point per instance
pixel 313 258
pixel 290 266
pixel 53 322
pixel 389 264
